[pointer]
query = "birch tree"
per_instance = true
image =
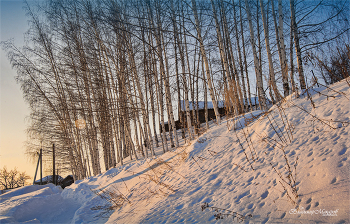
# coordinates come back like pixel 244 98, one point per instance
pixel 259 81
pixel 206 63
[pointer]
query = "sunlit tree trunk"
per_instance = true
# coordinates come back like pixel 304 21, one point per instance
pixel 206 63
pixel 259 81
pixel 245 55
pixel 297 46
pixel 272 79
pixel 245 101
pixel 281 46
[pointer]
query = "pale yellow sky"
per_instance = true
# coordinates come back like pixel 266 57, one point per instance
pixel 13 109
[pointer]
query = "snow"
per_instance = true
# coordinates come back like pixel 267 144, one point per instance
pixel 213 169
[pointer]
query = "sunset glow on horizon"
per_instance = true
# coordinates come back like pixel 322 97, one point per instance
pixel 13 109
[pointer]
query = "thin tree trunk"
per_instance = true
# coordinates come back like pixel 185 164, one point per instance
pixel 145 115
pixel 205 98
pixel 291 55
pixel 245 56
pixel 233 94
pixel 185 87
pixel 297 46
pixel 245 102
pixel 261 93
pixel 281 46
pixel 269 56
pixel 231 61
pixel 176 44
pixel 209 80
pixel 169 101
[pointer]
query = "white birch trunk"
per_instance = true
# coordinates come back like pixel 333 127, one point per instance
pixel 269 56
pixel 261 93
pixel 233 94
pixel 297 46
pixel 169 101
pixel 284 64
pixel 210 84
pixel 245 56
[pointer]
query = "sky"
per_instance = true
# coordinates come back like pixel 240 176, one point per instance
pixel 13 109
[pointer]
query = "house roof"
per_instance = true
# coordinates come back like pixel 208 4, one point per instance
pixel 221 104
pixel 201 105
pixel 49 179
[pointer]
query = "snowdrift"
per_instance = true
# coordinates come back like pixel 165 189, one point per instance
pixel 288 165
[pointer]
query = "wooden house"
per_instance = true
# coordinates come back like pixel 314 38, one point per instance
pixel 201 112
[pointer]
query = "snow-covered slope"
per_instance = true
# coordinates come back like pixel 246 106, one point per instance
pixel 241 165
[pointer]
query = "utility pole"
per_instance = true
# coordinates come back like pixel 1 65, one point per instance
pixel 37 166
pixel 41 166
pixel 53 164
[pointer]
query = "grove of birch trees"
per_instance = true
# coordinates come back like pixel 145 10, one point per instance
pixel 102 77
